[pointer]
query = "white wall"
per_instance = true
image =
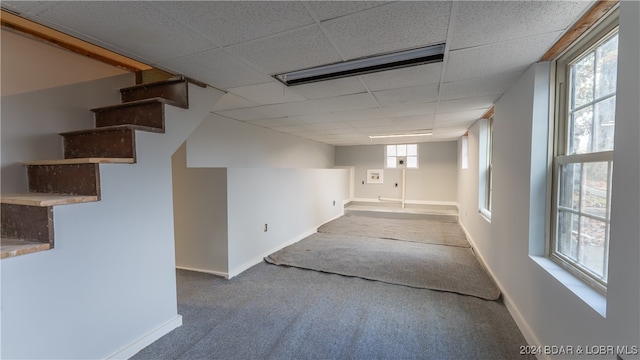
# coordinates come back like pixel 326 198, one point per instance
pixel 549 312
pixel 292 202
pixel 200 213
pixel 272 178
pixel 434 181
pixel 23 72
pixel 224 142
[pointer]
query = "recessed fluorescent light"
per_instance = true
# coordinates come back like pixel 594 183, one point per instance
pixel 368 65
pixel 398 135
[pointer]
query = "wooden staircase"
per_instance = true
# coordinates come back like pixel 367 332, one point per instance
pixel 27 219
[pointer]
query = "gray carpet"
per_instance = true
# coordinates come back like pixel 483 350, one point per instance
pixel 274 312
pixel 383 226
pixel 428 266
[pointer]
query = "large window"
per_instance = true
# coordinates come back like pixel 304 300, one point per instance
pixel 485 161
pixel 401 156
pixel 583 161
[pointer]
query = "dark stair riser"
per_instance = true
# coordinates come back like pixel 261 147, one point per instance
pixel 113 143
pixel 176 91
pixel 74 179
pixel 31 223
pixel 150 114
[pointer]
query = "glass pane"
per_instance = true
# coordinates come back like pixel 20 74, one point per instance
pixel 582 77
pixel 568 228
pixel 594 199
pixel 412 162
pixel 580 131
pixel 592 245
pixel 569 186
pixel 605 118
pixel 606 67
pixel 391 161
pixel 402 150
pixel 412 149
pixel 391 150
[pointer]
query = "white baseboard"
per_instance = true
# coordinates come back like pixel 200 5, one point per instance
pixel 258 259
pixel 522 324
pixel 410 202
pixel 213 272
pixel 146 340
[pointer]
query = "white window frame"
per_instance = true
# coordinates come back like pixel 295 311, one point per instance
pixel 485 181
pixel 591 40
pixel 395 159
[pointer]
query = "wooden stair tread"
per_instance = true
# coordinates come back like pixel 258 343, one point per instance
pixel 137 103
pixel 175 79
pixel 80 161
pixel 42 200
pixel 16 247
pixel 112 128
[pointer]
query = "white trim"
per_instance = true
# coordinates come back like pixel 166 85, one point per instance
pixel 146 340
pixel 411 202
pixel 521 322
pixel 212 272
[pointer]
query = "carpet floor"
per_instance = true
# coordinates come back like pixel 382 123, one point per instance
pixel 275 312
pixel 428 266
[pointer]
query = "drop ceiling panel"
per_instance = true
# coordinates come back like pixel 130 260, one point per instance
pixel 231 22
pixel 348 102
pixel 410 109
pixel 332 125
pixel 269 123
pixel 294 50
pixel 316 118
pixel 510 20
pixel 231 101
pixel 504 57
pixel 217 68
pixel 353 115
pixel 326 10
pixel 331 88
pixel 271 92
pixel 489 85
pixel 409 95
pixel 407 77
pixel 132 27
pixel 396 26
pixel 441 120
pixel 478 102
pixel 298 108
pixel 28 6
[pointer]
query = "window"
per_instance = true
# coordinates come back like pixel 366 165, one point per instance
pixel 464 157
pixel 583 158
pixel 402 156
pixel 485 167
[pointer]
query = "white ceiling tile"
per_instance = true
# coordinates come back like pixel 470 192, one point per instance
pixel 233 22
pixel 396 26
pixel 267 93
pixel 27 6
pixel 407 77
pixel 332 125
pixel 413 122
pixel 459 116
pixel 294 50
pixel 253 113
pixel 135 27
pixel 371 123
pixel 348 102
pixel 306 107
pixel 486 22
pixel 409 95
pixel 410 109
pixel 480 102
pixel 379 130
pixel 363 114
pixel 290 128
pixel 230 101
pixel 453 132
pixel 326 10
pixel 316 118
pixel 216 68
pixel 345 131
pixel 505 57
pixel 330 88
pixel 269 123
pixel 489 85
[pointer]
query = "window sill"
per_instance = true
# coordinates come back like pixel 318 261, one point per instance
pixel 485 214
pixel 586 293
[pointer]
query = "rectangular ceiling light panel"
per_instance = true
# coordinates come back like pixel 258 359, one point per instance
pixel 368 65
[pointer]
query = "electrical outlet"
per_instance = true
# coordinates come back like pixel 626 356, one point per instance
pixel 266 227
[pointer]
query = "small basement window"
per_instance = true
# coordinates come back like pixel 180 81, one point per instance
pixel 401 156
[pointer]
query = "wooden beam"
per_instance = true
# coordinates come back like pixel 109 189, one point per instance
pixel 591 17
pixel 488 114
pixel 49 35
